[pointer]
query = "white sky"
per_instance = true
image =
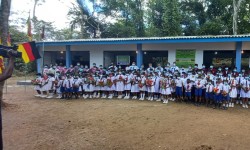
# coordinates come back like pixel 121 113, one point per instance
pixel 52 10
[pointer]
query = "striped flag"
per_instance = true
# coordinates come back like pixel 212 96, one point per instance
pixel 29 34
pixel 9 40
pixel 1 64
pixel 29 51
pixel 42 33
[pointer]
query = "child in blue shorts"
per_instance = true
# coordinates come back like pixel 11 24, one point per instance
pixel 178 89
pixel 217 95
pixel 209 93
pixel 68 86
pixel 198 90
pixel 188 88
pixel 225 94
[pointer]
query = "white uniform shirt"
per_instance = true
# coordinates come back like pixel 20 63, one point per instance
pixel 226 88
pixel 178 82
pixel 68 83
pixel 209 88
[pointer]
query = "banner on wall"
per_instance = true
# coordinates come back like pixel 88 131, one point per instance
pixel 123 60
pixel 185 58
pixel 160 60
pixel 217 62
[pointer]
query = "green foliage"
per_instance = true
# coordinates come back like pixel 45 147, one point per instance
pixel 21 68
pixel 139 18
pixel 171 18
pixel 120 29
pixel 19 37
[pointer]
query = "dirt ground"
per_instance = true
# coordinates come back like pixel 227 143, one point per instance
pixel 39 124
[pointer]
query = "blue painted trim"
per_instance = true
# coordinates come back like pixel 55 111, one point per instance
pixel 238 55
pixel 147 41
pixel 68 56
pixel 139 55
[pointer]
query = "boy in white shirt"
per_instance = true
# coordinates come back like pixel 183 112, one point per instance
pixel 225 94
pixel 179 89
pixel 188 87
pixel 209 93
pixel 68 85
pixel 198 90
pixel 217 94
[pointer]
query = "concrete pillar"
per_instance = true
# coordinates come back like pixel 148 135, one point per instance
pixel 139 55
pixel 96 56
pixel 171 56
pixel 68 56
pixel 199 57
pixel 238 55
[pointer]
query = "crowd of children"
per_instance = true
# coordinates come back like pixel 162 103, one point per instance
pixel 214 87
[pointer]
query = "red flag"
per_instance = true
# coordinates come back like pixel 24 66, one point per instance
pixel 9 40
pixel 29 29
pixel 29 51
pixel 42 33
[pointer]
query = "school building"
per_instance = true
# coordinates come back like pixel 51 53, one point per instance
pixel 229 50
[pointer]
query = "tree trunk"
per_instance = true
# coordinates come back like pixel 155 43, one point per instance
pixel 4 29
pixel 236 6
pixel 4 20
pixel 34 9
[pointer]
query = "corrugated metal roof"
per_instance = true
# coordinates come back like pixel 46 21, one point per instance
pixel 218 38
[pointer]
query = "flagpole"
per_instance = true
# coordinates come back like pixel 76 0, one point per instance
pixel 25 77
pixel 6 86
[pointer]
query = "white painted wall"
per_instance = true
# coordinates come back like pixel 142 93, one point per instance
pixel 171 56
pixel 96 56
pixel 199 57
pixel 97 51
pixel 246 46
pixel 203 46
pixel 120 47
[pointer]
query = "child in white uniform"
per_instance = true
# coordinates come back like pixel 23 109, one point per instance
pixel 151 89
pixel 142 86
pixel 127 86
pixel 120 84
pixel 37 82
pixel 233 92
pixel 135 87
pixel 89 89
pixel 110 85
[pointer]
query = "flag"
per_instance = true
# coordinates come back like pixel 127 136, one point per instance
pixel 29 34
pixel 9 40
pixel 29 51
pixel 42 33
pixel 1 64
